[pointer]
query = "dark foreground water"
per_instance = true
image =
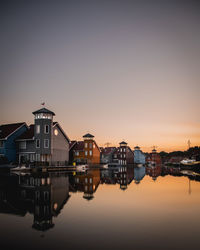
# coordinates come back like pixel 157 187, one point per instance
pixel 122 208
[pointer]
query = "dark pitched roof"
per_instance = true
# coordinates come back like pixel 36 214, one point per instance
pixel 108 150
pixel 88 135
pixel 79 145
pixel 28 134
pixel 71 144
pixel 43 110
pixel 123 142
pixel 7 129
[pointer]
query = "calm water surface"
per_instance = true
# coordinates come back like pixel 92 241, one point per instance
pixel 121 208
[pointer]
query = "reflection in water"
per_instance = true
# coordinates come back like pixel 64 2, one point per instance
pixel 44 196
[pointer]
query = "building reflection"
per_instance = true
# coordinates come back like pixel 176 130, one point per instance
pixel 41 194
pixel 154 171
pixel 139 173
pixel 121 175
pixel 86 182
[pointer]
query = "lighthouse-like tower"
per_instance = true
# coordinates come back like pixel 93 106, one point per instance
pixel 43 134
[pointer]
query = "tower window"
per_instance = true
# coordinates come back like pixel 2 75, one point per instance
pixel 37 129
pixel 37 143
pixel 90 152
pixel 46 129
pixel 90 144
pixel 86 145
pixel 46 143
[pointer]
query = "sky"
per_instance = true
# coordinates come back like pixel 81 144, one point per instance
pixel 121 70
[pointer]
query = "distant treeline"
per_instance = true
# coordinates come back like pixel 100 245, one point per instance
pixel 194 151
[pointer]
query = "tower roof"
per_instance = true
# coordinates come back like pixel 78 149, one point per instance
pixel 43 110
pixel 88 136
pixel 123 142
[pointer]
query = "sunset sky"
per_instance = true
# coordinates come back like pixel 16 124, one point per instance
pixel 121 70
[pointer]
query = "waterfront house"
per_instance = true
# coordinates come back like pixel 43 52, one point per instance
pixel 154 158
pixel 86 151
pixel 125 155
pixel 139 156
pixel 108 154
pixel 8 134
pixel 44 142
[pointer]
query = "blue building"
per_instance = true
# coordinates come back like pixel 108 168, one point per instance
pixel 8 134
pixel 139 156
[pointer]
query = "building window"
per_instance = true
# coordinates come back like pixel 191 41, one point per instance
pixel 22 145
pixel 124 149
pixel 1 144
pixel 90 152
pixel 32 157
pixel 86 180
pixel 37 143
pixel 86 145
pixel 93 145
pixel 77 153
pixel 120 149
pixel 90 144
pixel 86 153
pixel 46 129
pixel 90 180
pixel 46 143
pixel 43 116
pixel 37 129
pixel 37 157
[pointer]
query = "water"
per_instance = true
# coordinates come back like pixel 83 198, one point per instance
pixel 121 208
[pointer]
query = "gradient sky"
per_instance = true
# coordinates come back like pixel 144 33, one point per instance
pixel 117 69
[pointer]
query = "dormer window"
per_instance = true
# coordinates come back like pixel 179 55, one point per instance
pixel 22 145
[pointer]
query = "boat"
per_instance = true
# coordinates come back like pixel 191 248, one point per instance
pixel 139 165
pixel 81 168
pixel 190 162
pixel 105 166
pixel 20 168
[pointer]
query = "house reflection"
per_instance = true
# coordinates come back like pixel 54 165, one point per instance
pixel 121 175
pixel 86 182
pixel 154 171
pixel 41 194
pixel 139 173
pixel 44 195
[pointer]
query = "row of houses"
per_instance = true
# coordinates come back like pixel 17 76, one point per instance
pixel 45 142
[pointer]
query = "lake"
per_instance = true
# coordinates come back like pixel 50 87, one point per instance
pixel 115 208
